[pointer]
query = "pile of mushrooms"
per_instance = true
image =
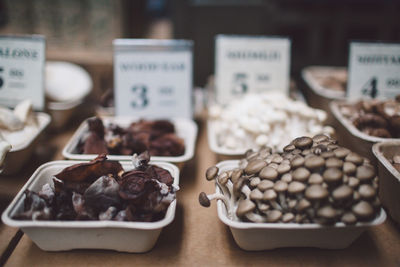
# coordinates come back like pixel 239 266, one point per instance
pixel 313 180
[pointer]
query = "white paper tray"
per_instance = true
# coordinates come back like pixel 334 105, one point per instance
pixel 67 235
pixel 265 236
pixel 389 177
pixel 185 128
pixel 24 144
pixel 349 136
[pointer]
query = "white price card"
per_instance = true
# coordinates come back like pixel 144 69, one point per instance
pixel 374 70
pixel 153 78
pixel 250 64
pixel 22 59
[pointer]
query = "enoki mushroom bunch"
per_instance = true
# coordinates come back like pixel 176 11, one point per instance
pixel 312 181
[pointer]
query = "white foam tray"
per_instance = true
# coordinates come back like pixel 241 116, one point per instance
pixel 265 236
pixel 67 235
pixel 185 128
pixel 23 143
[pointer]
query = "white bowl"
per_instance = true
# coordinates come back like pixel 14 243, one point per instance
pixel 23 143
pixel 389 177
pixel 185 128
pixel 349 136
pixel 67 235
pixel 265 236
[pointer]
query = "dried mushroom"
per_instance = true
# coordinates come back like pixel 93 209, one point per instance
pixel 101 190
pixel 313 180
pixel 158 137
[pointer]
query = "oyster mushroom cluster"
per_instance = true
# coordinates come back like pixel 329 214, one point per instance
pixel 268 118
pixel 379 118
pixel 102 190
pixel 313 180
pixel 158 137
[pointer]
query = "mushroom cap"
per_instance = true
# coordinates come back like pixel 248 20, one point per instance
pixel 297 161
pixel 353 182
pixel 237 186
pixel 204 200
pixel 332 175
pixel 283 168
pixel 223 178
pixel 303 204
pixel 296 187
pixel 268 173
pixel 363 210
pixel 277 159
pixel 341 152
pixel 327 154
pixel 270 194
pixel 301 174
pixel 320 138
pixel 287 217
pixel 256 194
pixel 265 185
pixel 316 192
pixel 327 212
pixel 334 163
pixel 315 178
pixel 289 148
pixel 287 177
pixel 349 168
pixel 396 159
pixel 254 181
pixel 273 216
pixel 342 192
pixel 211 173
pixel 314 162
pixel 367 191
pixel 354 157
pixel 349 218
pixel 303 142
pixel 236 174
pixel 365 173
pixel 280 186
pixel 255 166
pixel 245 206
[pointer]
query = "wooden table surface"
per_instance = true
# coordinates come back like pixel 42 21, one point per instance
pixel 196 237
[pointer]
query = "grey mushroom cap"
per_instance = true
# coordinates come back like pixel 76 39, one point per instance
pixel 363 210
pixel 236 174
pixel 297 161
pixel 283 168
pixel 303 142
pixel 332 175
pixel 204 200
pixel 212 173
pixel 237 186
pixel 365 173
pixel 280 186
pixel 341 152
pixel 349 168
pixel 353 182
pixel 316 192
pixel 334 163
pixel 270 194
pixel 301 174
pixel 245 206
pixel 273 216
pixel 296 187
pixel 355 158
pixel 265 185
pixel 303 204
pixel 320 138
pixel 342 192
pixel 367 191
pixel 223 178
pixel 256 194
pixel 314 162
pixel 268 173
pixel 287 217
pixel 327 212
pixel 315 178
pixel 349 218
pixel 255 166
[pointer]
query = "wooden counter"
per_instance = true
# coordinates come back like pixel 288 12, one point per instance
pixel 197 238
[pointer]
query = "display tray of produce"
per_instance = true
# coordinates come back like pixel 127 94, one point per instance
pixel 120 137
pixel 20 130
pixel 360 124
pixel 256 120
pixel 388 155
pixel 314 194
pixel 101 204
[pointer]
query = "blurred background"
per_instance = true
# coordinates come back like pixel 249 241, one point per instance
pixel 81 31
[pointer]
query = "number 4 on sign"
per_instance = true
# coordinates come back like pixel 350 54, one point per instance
pixel 370 88
pixel 140 96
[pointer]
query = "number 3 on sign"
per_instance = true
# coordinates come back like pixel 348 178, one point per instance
pixel 139 93
pixel 370 88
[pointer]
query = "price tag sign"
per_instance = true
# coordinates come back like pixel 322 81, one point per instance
pixel 374 70
pixel 22 61
pixel 250 64
pixel 153 78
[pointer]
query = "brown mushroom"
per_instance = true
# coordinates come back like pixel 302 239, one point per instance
pixel 212 173
pixel 363 210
